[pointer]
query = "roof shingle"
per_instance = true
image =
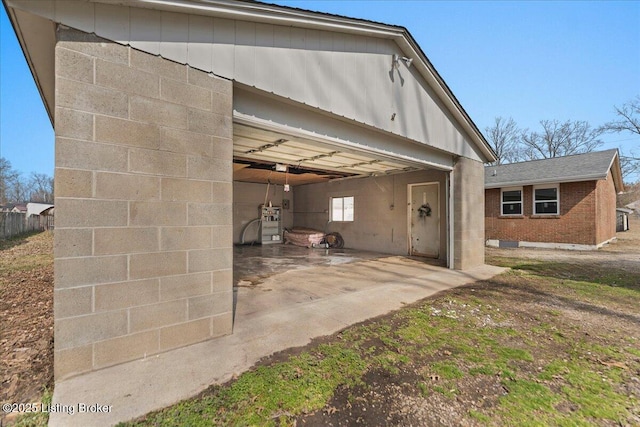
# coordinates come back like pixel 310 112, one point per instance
pixel 578 167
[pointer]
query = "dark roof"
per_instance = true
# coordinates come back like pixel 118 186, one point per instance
pixel 578 167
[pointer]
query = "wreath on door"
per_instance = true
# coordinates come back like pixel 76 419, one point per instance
pixel 424 210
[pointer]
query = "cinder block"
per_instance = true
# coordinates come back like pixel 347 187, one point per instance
pixel 158 112
pixel 185 94
pixel 210 214
pixel 83 330
pixel 72 302
pixel 211 169
pixel 92 45
pixel 126 240
pixel 72 242
pixel 157 162
pixel 73 183
pixel 128 347
pixel 75 154
pixel 185 334
pixel 158 315
pixel 126 187
pixel 210 305
pixel 72 272
pixel 127 132
pixel 158 213
pixel 91 98
pixel 185 142
pixel 189 285
pixel 158 264
pixel 222 236
pixel 186 190
pixel 126 79
pixel 73 361
pixel 210 259
pixel 117 296
pixel 222 192
pixel 222 324
pixel 222 280
pixel 90 213
pixel 222 148
pixel 221 104
pixel 74 65
pixel 210 81
pixel 157 65
pixel 185 238
pixel 210 123
pixel 74 124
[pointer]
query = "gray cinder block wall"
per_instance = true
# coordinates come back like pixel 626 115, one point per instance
pixel 143 178
pixel 468 199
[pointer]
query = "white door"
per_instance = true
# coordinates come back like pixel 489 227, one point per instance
pixel 424 219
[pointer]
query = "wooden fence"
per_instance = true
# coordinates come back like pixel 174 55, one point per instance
pixel 14 223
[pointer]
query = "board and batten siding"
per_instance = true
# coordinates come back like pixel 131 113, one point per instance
pixel 348 75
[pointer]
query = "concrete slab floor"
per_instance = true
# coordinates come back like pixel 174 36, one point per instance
pixel 282 310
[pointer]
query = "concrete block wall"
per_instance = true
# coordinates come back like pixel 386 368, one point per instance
pixel 468 207
pixel 577 223
pixel 143 178
pixel 380 219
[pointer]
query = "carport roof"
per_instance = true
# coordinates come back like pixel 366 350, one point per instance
pixel 37 40
pixel 578 167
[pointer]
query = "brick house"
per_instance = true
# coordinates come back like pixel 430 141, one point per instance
pixel 563 202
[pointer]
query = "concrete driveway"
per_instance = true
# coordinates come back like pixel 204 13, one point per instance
pixel 284 310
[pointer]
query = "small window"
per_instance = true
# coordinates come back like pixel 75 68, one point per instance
pixel 545 200
pixel 342 208
pixel 511 201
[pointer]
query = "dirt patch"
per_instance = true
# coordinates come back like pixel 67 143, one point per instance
pixel 26 317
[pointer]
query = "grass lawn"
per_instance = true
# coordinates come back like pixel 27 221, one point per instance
pixel 542 344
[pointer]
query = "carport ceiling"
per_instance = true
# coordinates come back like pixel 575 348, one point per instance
pixel 256 151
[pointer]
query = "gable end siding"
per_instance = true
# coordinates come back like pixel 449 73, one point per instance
pixel 347 75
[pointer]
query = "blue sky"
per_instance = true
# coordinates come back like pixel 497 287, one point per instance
pixel 527 60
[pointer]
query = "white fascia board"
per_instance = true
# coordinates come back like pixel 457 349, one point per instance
pixel 616 172
pixel 546 181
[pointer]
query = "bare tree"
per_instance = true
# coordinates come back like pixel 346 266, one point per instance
pixel 8 176
pixel 41 186
pixel 628 118
pixel 18 190
pixel 558 139
pixel 628 121
pixel 503 137
pixel 629 166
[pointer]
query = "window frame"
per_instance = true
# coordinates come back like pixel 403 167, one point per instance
pixel 342 218
pixel 502 202
pixel 557 199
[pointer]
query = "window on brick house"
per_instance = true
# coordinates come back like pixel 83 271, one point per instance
pixel 546 200
pixel 511 201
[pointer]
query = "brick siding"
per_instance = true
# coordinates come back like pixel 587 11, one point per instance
pixel 587 216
